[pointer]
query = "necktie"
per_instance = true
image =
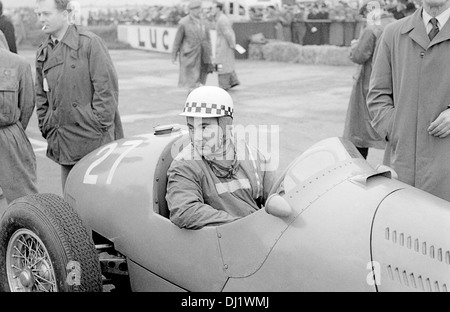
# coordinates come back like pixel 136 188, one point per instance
pixel 435 28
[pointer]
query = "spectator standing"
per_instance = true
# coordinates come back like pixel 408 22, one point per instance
pixel 225 45
pixel 357 124
pixel 76 88
pixel 298 24
pixel 324 28
pixel 7 27
pixel 408 97
pixel 274 15
pixel 313 34
pixel 17 159
pixel 19 27
pixel 192 45
pixel 287 16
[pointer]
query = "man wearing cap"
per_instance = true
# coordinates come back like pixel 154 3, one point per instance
pixel 215 180
pixel 409 97
pixel 17 159
pixel 192 45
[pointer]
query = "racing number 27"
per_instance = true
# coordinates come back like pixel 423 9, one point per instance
pixel 108 150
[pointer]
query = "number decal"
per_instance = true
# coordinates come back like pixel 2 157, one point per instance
pixel 92 179
pixel 132 145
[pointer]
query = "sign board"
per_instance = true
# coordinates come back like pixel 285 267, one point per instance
pixel 153 38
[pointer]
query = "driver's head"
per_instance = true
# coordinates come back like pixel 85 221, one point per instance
pixel 209 112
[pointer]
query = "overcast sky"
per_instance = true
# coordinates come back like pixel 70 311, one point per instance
pixel 94 3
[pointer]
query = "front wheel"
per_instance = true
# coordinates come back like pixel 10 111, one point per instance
pixel 44 247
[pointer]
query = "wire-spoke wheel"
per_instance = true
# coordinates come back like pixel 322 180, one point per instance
pixel 28 264
pixel 44 247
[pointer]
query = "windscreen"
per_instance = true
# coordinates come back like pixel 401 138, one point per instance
pixel 319 157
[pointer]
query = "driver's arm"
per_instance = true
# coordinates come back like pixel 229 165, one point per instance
pixel 268 173
pixel 185 199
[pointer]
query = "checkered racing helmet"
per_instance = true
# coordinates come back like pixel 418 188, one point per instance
pixel 208 102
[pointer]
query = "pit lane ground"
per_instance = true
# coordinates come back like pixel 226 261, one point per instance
pixel 307 103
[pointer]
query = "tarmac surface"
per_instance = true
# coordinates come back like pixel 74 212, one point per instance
pixel 302 103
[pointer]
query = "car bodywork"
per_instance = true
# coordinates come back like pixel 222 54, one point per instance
pixel 349 227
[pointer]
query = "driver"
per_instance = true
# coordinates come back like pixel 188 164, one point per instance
pixel 215 179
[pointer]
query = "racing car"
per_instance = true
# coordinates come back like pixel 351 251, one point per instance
pixel 333 222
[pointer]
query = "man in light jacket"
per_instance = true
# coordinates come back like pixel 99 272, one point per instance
pixel 225 45
pixel 409 97
pixel 76 88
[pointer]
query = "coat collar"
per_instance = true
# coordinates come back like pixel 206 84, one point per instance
pixel 71 38
pixel 414 26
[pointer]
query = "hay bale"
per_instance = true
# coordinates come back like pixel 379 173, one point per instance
pixel 333 55
pixel 255 51
pixel 281 51
pixel 307 55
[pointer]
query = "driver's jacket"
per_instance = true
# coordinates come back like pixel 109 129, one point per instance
pixel 196 197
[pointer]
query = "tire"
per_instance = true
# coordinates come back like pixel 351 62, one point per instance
pixel 45 247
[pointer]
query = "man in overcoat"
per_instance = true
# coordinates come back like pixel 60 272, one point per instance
pixel 76 88
pixel 225 45
pixel 409 97
pixel 17 159
pixel 357 123
pixel 192 45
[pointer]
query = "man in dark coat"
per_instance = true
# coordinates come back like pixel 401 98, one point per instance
pixel 192 45
pixel 76 88
pixel 7 27
pixel 17 159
